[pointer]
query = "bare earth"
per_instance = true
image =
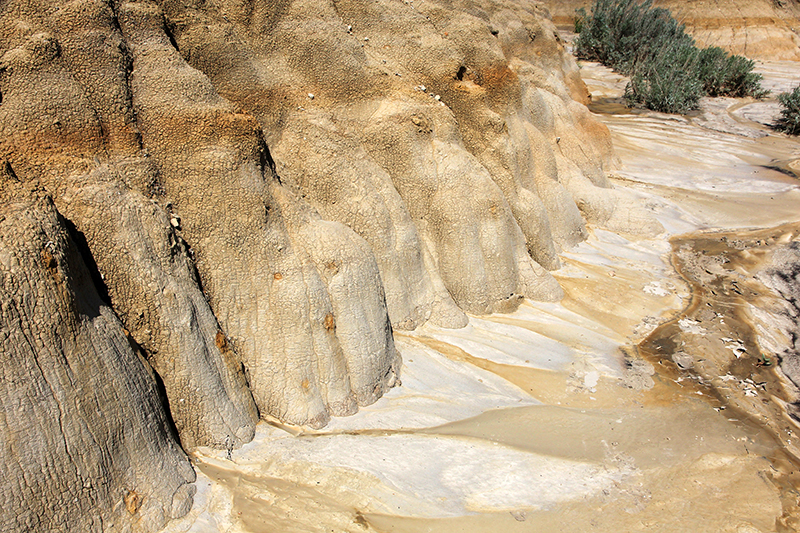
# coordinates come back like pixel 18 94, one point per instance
pixel 653 397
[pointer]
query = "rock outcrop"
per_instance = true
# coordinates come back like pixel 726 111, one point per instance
pixel 85 444
pixel 762 29
pixel 260 191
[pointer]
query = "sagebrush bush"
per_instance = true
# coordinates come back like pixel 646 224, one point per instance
pixel 624 33
pixel 789 120
pixel 667 83
pixel 726 75
pixel 668 73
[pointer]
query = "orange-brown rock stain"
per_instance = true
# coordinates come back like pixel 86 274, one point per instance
pixel 329 322
pixel 133 501
pixel 221 341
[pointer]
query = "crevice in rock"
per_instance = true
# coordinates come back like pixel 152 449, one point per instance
pixel 163 398
pixel 82 245
pixel 195 273
pixel 265 157
pixel 166 26
pixel 8 172
pixel 127 70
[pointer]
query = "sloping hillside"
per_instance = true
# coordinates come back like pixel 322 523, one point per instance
pixel 258 192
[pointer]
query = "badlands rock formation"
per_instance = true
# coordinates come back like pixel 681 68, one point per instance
pixel 763 29
pixel 250 195
pixel 86 444
pixel 758 29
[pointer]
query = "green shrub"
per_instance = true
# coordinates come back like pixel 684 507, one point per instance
pixel 789 120
pixel 580 18
pixel 668 83
pixel 668 73
pixel 726 75
pixel 624 33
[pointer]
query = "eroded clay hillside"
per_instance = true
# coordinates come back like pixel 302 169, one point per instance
pixel 758 29
pixel 246 197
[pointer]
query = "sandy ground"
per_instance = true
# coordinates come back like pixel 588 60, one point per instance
pixel 625 407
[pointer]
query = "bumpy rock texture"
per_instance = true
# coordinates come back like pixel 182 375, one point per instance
pixel 84 435
pixel 260 191
pixel 759 29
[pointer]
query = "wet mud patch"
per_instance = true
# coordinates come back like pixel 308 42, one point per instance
pixel 736 342
pixel 611 106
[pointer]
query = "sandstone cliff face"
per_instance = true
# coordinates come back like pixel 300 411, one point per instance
pixel 758 29
pixel 264 189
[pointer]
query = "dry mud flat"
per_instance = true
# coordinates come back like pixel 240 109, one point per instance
pixel 549 419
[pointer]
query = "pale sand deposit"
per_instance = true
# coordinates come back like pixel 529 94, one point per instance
pixel 546 419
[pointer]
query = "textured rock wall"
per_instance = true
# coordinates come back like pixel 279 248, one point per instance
pixel 760 29
pixel 85 443
pixel 263 189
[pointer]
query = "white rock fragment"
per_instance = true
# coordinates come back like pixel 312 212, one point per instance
pixel 656 289
pixel 683 360
pixel 737 347
pixel 688 325
pixel 590 379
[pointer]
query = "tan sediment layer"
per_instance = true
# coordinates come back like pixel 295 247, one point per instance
pixel 691 461
pixel 688 494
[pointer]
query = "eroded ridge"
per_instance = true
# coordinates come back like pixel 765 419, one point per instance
pixel 263 191
pixel 86 444
pixel 422 160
